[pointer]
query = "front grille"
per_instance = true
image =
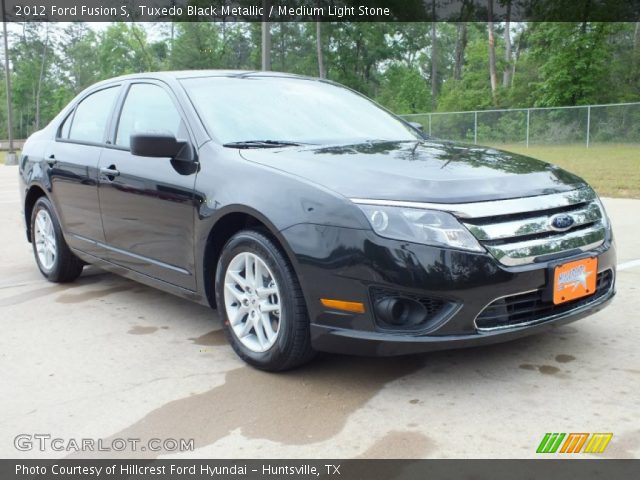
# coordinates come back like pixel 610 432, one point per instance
pixel 530 308
pixel 522 231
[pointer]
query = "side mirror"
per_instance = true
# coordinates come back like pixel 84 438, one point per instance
pixel 160 145
pixel 417 126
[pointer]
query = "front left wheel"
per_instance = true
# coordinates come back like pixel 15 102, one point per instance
pixel 261 303
pixel 53 256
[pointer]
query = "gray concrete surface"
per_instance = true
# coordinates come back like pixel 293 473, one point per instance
pixel 107 358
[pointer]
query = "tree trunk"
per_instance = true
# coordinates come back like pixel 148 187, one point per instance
pixel 266 38
pixel 492 52
pixel 434 56
pixel 143 47
pixel 7 72
pixel 42 65
pixel 636 47
pixel 506 75
pixel 516 56
pixel 283 47
pixel 461 45
pixel 321 70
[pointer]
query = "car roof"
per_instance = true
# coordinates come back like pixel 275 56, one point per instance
pixel 182 74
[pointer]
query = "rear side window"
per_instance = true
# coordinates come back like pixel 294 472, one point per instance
pixel 148 108
pixel 91 116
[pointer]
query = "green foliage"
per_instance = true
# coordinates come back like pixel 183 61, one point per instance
pixel 123 48
pixel 553 64
pixel 404 90
pixel 473 91
pixel 573 61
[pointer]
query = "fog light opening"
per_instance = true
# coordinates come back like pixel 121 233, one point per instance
pixel 400 311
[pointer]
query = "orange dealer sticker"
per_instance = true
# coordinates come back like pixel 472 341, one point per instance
pixel 574 280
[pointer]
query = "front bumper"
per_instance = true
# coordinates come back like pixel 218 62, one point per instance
pixel 346 264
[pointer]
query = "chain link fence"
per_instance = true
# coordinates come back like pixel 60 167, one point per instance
pixel 587 125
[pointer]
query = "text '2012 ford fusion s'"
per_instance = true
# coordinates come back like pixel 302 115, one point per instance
pixel 310 217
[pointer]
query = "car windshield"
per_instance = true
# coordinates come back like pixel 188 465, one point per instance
pixel 255 109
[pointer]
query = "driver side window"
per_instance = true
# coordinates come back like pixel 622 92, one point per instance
pixel 148 108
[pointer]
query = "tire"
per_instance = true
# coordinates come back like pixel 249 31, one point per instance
pixel 60 265
pixel 256 313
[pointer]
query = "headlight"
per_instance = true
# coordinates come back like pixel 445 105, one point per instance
pixel 605 217
pixel 431 227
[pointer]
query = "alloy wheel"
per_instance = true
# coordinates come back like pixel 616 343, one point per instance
pixel 252 301
pixel 45 238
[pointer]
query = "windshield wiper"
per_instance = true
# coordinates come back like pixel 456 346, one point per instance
pixel 261 144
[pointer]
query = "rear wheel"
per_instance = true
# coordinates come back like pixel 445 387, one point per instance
pixel 53 256
pixel 261 304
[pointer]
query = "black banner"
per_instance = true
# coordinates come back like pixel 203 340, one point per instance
pixel 550 469
pixel 321 10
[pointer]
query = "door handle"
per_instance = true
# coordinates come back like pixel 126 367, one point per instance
pixel 109 171
pixel 51 160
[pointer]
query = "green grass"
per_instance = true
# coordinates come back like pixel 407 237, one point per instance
pixel 612 169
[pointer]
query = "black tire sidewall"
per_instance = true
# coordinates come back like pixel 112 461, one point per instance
pixel 257 244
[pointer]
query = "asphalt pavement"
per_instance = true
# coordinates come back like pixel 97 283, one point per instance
pixel 106 359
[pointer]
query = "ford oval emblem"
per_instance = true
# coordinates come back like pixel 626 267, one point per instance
pixel 561 222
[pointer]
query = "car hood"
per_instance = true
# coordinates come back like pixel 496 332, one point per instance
pixel 426 171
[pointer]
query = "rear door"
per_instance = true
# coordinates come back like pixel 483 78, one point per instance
pixel 73 159
pixel 147 204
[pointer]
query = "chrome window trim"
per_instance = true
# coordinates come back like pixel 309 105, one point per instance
pixel 587 306
pixel 494 208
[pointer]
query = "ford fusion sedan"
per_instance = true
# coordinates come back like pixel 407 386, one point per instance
pixel 311 218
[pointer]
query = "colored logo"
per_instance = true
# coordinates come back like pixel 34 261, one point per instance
pixel 575 277
pixel 561 222
pixel 574 442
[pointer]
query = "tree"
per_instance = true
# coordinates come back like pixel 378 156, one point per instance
pixel 506 73
pixel 321 71
pixel 37 92
pixel 404 90
pixel 80 62
pixel 266 38
pixel 472 91
pixel 493 76
pixel 196 45
pixel 461 45
pixel 408 67
pixel 434 56
pixel 41 76
pixel 123 48
pixel 8 92
pixel 574 62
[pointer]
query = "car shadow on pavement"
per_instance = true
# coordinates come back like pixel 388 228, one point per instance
pixel 313 403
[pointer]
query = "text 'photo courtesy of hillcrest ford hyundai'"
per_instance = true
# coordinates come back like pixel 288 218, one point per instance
pixel 310 217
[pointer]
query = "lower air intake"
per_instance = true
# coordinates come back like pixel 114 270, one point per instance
pixel 530 308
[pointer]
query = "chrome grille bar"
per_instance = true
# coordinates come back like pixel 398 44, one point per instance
pixel 532 226
pixel 519 253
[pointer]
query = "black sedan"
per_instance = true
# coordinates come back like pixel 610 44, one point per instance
pixel 310 217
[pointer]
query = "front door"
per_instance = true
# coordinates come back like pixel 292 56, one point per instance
pixel 147 204
pixel 73 159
